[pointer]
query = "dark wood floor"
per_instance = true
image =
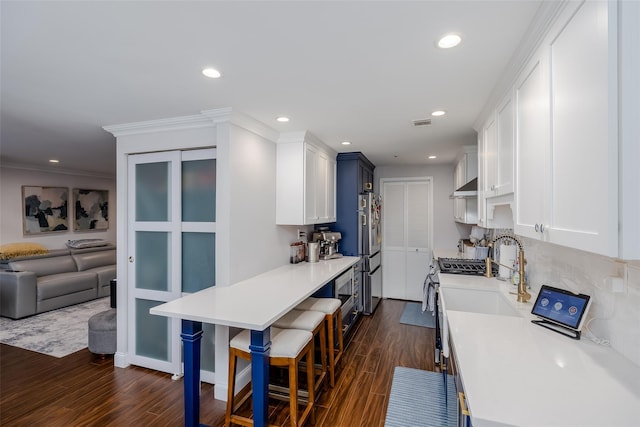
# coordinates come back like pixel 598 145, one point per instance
pixel 84 390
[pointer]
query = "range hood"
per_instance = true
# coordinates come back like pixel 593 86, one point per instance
pixel 470 189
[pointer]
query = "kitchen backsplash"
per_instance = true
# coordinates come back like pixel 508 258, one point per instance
pixel 616 316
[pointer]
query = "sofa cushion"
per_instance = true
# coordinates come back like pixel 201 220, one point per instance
pixel 88 260
pixel 46 265
pixel 105 274
pixel 56 285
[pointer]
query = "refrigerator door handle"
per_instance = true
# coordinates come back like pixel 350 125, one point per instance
pixel 374 270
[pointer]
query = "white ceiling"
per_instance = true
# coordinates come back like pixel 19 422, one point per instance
pixel 347 70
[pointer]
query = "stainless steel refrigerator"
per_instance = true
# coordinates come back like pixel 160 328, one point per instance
pixel 369 243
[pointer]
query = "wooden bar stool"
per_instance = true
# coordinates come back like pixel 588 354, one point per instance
pixel 312 321
pixel 333 317
pixel 288 348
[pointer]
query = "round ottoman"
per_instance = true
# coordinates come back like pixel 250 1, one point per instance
pixel 102 332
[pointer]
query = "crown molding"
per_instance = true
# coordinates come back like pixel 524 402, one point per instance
pixel 229 115
pixel 305 136
pixel 538 29
pixel 160 125
pixel 206 118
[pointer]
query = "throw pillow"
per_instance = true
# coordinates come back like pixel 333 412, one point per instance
pixel 13 250
pixel 86 243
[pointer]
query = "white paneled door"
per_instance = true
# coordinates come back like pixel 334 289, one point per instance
pixel 171 239
pixel 407 236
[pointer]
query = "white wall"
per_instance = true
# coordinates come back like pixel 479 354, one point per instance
pixel 446 232
pixel 616 316
pixel 11 210
pixel 257 244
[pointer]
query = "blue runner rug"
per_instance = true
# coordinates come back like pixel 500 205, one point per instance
pixel 417 399
pixel 413 315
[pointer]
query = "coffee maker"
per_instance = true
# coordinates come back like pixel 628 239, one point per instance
pixel 328 243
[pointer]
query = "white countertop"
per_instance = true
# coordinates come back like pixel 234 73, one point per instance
pixel 517 373
pixel 257 302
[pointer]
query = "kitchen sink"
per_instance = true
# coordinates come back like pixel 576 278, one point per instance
pixel 477 301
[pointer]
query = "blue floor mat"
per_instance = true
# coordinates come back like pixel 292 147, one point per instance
pixel 417 399
pixel 413 315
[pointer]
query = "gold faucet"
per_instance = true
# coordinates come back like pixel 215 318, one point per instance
pixel 523 295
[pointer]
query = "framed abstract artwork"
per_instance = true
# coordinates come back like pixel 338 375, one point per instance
pixel 91 209
pixel 45 209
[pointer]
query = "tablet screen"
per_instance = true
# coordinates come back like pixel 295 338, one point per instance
pixel 561 306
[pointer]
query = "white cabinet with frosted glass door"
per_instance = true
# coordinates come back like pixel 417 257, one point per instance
pixel 171 240
pixel 407 236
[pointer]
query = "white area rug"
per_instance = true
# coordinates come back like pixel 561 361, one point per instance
pixel 56 333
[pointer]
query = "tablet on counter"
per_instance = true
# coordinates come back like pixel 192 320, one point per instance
pixel 561 311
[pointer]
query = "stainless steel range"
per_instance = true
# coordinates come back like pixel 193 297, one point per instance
pixel 471 267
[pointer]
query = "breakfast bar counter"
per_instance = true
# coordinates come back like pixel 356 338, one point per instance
pixel 252 304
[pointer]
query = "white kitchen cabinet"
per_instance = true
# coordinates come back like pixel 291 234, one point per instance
pixel 498 155
pixel 305 180
pixel 566 138
pixel 482 207
pixel 465 210
pixel 532 142
pixel 495 158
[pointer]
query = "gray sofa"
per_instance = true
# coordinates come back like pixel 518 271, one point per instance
pixel 34 284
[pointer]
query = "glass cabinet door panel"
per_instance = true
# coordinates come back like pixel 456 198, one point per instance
pixel 198 261
pixel 151 331
pixel 199 190
pixel 152 191
pixel 152 260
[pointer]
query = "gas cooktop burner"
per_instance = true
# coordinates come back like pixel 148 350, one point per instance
pixel 464 266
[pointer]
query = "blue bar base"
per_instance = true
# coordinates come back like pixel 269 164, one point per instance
pixel 260 346
pixel 191 337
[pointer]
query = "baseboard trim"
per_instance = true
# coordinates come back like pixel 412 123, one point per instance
pixel 242 379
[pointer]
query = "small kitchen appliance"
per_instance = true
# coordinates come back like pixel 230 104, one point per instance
pixel 328 241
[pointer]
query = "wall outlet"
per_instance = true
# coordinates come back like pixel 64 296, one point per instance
pixel 617 285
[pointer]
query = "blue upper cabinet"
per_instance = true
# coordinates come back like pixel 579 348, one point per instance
pixel 354 177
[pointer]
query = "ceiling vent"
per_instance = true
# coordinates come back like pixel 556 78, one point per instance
pixel 421 122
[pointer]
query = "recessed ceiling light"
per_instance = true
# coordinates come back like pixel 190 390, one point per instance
pixel 282 119
pixel 449 40
pixel 346 142
pixel 438 113
pixel 432 157
pixel 54 161
pixel 211 73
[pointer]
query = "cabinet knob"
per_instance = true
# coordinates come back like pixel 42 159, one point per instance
pixel 539 228
pixel 130 259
